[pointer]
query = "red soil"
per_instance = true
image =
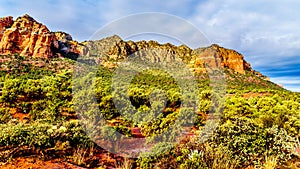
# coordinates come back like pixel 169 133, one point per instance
pixel 33 163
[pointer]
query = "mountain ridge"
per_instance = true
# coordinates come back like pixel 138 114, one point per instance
pixel 27 37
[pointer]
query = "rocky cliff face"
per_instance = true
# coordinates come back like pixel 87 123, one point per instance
pixel 115 49
pixel 5 23
pixel 27 37
pixel 216 56
pixel 232 59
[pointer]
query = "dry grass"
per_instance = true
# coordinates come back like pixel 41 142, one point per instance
pixel 79 156
pixel 223 161
pixel 271 163
pixel 221 158
pixel 127 164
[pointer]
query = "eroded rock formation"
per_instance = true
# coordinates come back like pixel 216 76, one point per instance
pixel 27 37
pixel 5 23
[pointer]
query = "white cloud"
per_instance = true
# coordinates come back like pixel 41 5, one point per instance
pixel 261 26
pixel 114 9
pixel 156 24
pixel 289 82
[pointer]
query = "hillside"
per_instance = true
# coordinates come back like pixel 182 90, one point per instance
pixel 49 116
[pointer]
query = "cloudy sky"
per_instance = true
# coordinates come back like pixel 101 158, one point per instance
pixel 266 32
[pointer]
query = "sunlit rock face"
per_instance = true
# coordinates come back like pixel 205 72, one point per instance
pixel 27 37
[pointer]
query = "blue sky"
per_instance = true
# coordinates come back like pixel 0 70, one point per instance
pixel 266 32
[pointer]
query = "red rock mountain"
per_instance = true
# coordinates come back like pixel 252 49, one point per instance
pixel 27 37
pixel 114 49
pixel 227 58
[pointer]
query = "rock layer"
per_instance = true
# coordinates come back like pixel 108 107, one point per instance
pixel 216 56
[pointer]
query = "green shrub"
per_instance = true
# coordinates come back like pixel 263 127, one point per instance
pixel 250 143
pixel 5 115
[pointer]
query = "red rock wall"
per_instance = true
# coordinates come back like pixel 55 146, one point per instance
pixel 5 23
pixel 27 37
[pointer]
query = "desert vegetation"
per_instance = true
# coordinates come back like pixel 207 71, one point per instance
pixel 259 126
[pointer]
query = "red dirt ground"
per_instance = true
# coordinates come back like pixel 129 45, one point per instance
pixel 251 94
pixel 32 163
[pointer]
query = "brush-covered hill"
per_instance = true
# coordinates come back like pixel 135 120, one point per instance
pixel 110 51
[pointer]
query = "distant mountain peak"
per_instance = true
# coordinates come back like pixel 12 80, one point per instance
pixel 114 38
pixel 27 17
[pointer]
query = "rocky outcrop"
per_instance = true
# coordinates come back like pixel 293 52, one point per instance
pixel 63 37
pixel 65 46
pixel 216 56
pixel 27 37
pixel 198 60
pixel 232 59
pixel 101 47
pixel 5 23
